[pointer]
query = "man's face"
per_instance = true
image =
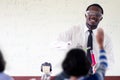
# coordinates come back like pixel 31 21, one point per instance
pixel 93 17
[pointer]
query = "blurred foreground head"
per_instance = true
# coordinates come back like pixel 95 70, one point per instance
pixel 2 62
pixel 76 63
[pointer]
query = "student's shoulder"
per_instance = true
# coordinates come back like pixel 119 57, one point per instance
pixel 5 77
pixel 61 76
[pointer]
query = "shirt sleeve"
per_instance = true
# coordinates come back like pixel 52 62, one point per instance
pixel 63 40
pixel 103 64
pixel 109 51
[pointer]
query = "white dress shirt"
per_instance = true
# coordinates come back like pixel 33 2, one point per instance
pixel 77 36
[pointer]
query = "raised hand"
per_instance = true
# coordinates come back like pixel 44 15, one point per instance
pixel 100 38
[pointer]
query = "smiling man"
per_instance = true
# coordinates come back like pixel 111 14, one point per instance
pixel 85 36
pixel 93 16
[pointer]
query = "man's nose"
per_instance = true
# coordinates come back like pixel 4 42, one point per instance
pixel 93 16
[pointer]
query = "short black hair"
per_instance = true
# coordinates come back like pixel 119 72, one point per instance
pixel 2 62
pixel 97 5
pixel 76 63
pixel 46 64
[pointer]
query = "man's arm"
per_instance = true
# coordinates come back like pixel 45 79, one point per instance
pixel 67 39
pixel 64 39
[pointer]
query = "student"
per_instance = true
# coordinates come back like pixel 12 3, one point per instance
pixel 3 76
pixel 76 66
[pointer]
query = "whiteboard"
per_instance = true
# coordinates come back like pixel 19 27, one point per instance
pixel 28 27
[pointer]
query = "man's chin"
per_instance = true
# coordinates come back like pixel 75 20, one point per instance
pixel 93 26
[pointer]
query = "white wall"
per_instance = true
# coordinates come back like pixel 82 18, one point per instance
pixel 27 27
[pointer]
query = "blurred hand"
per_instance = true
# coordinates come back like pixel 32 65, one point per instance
pixel 100 38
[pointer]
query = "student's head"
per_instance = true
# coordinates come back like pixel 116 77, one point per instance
pixel 46 67
pixel 93 16
pixel 76 63
pixel 2 62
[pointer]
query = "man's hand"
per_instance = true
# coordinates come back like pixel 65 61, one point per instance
pixel 100 38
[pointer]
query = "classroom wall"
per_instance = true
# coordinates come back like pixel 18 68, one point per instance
pixel 28 27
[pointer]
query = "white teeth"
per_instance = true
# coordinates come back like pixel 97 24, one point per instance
pixel 92 20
